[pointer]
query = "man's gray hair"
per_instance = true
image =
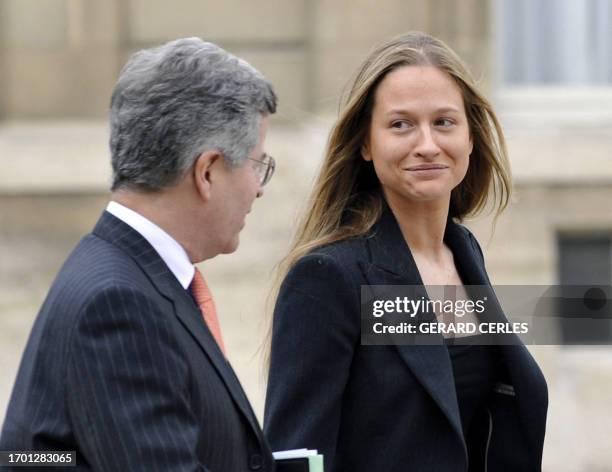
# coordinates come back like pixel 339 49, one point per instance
pixel 173 102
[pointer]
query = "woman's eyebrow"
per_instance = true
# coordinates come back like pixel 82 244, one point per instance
pixel 405 111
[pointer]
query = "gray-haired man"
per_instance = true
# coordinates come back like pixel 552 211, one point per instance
pixel 125 363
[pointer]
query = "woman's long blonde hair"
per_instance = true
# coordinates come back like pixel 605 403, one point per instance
pixel 346 200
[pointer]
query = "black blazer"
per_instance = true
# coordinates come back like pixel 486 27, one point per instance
pixel 120 367
pixel 388 408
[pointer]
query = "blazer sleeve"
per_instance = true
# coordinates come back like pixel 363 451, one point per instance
pixel 127 387
pixel 315 331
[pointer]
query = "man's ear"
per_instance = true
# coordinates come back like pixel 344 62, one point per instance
pixel 205 172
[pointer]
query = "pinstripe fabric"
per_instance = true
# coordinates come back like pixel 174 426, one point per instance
pixel 120 368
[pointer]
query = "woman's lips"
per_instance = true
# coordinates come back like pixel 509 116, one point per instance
pixel 427 170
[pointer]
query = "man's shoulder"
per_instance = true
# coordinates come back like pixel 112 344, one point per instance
pixel 98 258
pixel 94 266
pixel 96 278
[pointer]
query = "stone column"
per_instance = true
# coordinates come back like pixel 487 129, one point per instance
pixel 344 31
pixel 3 66
pixel 466 25
pixel 60 57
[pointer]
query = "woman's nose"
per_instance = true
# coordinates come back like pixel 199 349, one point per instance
pixel 427 146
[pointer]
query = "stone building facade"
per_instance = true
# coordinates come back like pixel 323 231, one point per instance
pixel 58 63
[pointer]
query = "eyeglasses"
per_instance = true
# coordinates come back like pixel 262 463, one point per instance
pixel 264 168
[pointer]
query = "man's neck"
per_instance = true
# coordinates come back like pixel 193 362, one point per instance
pixel 167 212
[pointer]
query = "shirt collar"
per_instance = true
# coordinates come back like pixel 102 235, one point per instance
pixel 171 252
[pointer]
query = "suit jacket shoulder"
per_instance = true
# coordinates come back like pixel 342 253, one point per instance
pixel 120 367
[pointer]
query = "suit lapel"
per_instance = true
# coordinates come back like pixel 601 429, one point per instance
pixel 392 264
pixel 138 248
pixel 191 317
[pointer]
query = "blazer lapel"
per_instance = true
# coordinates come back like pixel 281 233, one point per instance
pixel 473 273
pixel 519 362
pixel 392 264
pixel 138 248
pixel 465 255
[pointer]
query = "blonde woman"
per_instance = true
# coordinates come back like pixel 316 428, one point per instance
pixel 416 149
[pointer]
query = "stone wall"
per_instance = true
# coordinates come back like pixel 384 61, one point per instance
pixel 59 60
pixel 62 57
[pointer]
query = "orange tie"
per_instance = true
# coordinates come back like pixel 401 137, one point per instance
pixel 203 297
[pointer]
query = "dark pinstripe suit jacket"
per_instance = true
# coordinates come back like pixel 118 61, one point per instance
pixel 121 368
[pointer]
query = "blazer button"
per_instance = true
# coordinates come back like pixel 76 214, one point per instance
pixel 256 462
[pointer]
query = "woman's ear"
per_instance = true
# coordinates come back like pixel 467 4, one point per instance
pixel 365 151
pixel 204 172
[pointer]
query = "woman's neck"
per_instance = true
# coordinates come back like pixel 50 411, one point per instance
pixel 422 224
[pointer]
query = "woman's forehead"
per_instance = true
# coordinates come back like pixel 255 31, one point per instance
pixel 410 88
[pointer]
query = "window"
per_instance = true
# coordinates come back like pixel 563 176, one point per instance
pixel 585 260
pixel 554 42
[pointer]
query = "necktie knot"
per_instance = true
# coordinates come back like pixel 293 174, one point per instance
pixel 199 289
pixel 204 299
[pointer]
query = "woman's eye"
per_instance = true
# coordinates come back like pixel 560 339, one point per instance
pixel 400 124
pixel 444 122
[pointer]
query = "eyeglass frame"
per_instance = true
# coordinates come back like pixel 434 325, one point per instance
pixel 269 169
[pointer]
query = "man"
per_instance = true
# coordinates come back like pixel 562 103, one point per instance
pixel 125 363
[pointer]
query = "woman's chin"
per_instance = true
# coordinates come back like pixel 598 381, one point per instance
pixel 429 194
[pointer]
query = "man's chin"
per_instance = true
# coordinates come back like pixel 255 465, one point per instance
pixel 232 246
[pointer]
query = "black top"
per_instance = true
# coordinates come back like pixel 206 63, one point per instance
pixel 474 370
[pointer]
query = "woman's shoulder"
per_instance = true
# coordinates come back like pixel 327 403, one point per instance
pixel 336 262
pixel 343 252
pixel 466 234
pixel 474 242
pixel 329 272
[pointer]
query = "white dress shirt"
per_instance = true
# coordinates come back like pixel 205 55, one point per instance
pixel 171 252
